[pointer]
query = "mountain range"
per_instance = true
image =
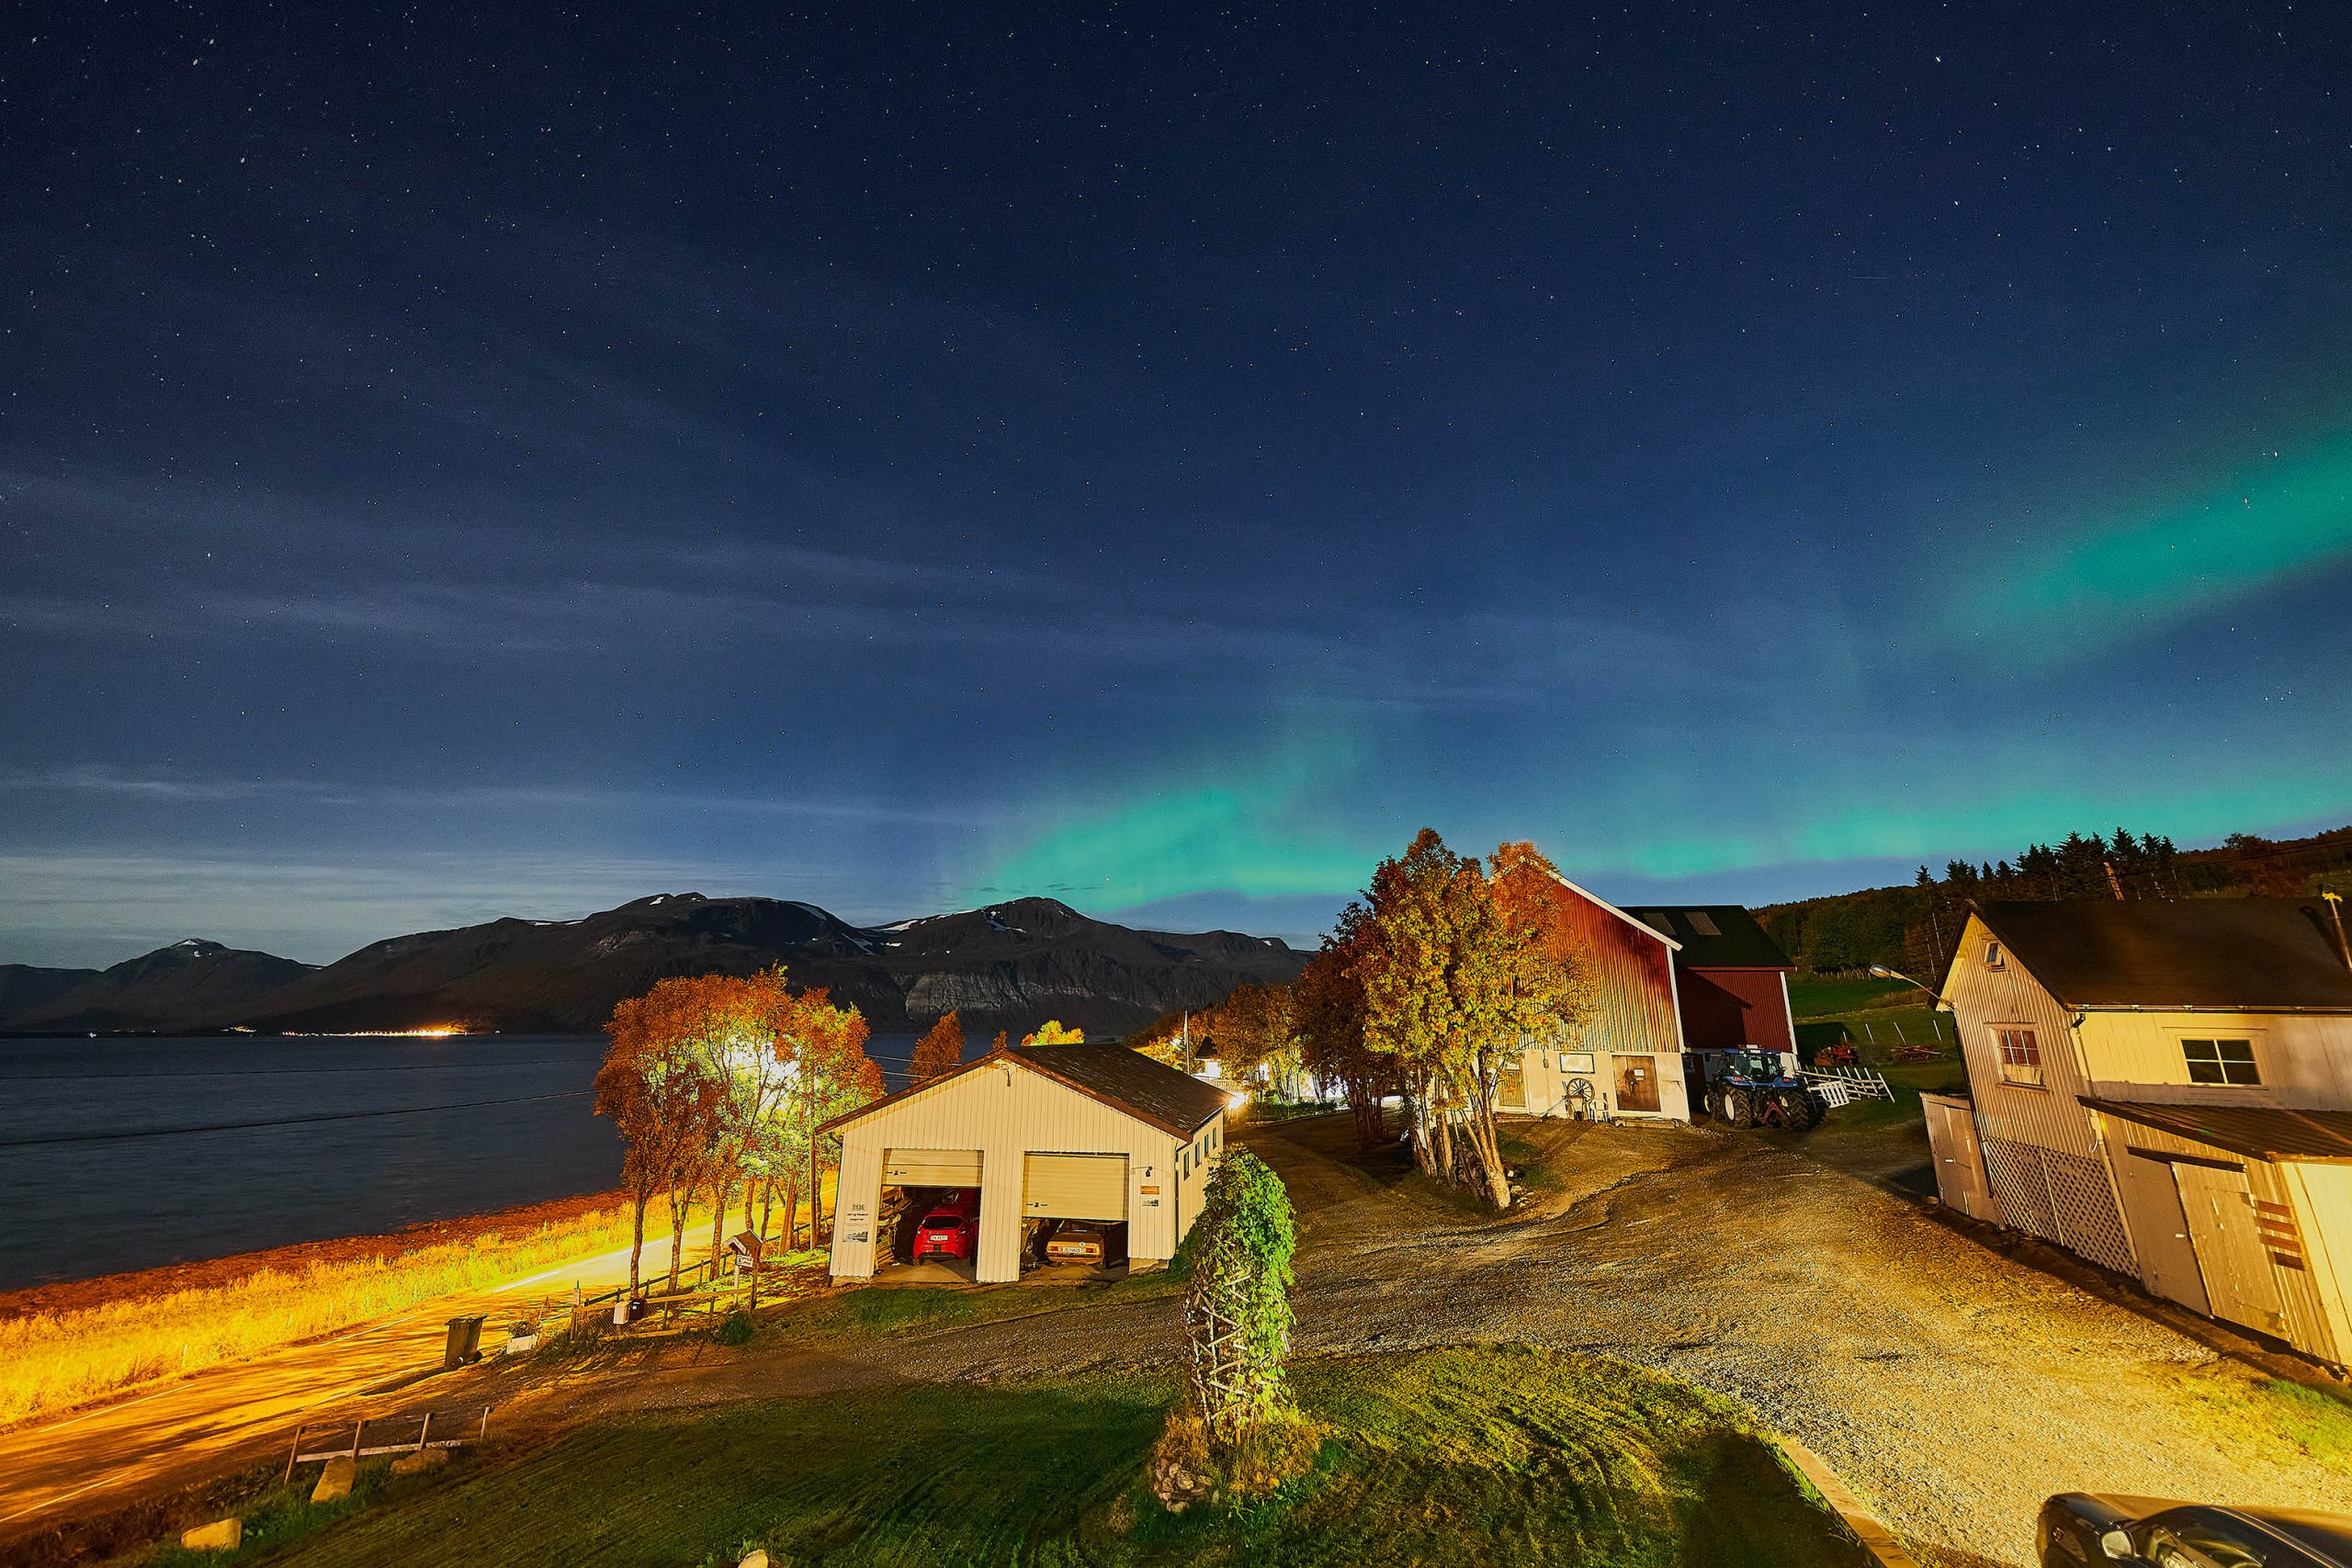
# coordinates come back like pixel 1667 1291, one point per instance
pixel 1009 966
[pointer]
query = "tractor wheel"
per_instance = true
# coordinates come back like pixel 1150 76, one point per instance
pixel 1799 1109
pixel 1737 1108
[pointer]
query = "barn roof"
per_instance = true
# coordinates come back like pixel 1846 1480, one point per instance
pixel 2265 1132
pixel 2254 955
pixel 1152 1092
pixel 1715 936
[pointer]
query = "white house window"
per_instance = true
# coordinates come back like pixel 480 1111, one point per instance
pixel 1993 957
pixel 2221 1061
pixel 2021 1055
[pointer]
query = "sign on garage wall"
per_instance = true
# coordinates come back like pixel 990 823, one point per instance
pixel 1075 1187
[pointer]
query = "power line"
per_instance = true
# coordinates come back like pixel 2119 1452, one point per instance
pixel 278 1121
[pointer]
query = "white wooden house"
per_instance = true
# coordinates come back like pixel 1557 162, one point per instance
pixel 2165 1089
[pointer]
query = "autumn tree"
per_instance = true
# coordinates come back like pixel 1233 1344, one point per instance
pixel 1547 986
pixel 1328 1010
pixel 827 1074
pixel 658 1087
pixel 1053 1031
pixel 1257 1036
pixel 938 1052
pixel 1163 1038
pixel 1459 968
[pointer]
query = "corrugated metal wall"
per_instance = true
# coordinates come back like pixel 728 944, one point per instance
pixel 1723 1007
pixel 2042 1152
pixel 2305 1060
pixel 1633 1010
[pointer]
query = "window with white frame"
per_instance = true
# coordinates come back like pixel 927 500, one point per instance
pixel 2021 1054
pixel 2221 1061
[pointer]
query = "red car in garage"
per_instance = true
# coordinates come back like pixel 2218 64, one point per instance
pixel 952 1229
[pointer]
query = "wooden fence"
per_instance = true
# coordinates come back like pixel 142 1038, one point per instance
pixel 368 1436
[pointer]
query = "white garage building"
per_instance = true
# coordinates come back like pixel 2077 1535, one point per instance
pixel 1041 1132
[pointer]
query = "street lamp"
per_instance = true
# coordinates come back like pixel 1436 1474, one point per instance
pixel 1883 973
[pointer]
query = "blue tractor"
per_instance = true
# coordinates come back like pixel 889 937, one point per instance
pixel 1749 1086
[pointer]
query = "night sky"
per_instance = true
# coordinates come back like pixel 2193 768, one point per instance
pixel 508 463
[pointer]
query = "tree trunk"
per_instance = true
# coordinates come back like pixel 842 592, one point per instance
pixel 680 1198
pixel 637 1245
pixel 719 1192
pixel 792 1212
pixel 1487 1151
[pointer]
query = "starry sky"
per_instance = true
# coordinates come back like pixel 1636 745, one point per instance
pixel 508 461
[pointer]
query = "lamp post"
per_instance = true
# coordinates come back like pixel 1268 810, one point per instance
pixel 1883 973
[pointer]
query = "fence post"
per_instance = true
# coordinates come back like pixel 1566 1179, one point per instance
pixel 357 1427
pixel 295 1450
pixel 423 1430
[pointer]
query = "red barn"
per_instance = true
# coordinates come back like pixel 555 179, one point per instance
pixel 1668 979
pixel 1627 1061
pixel 1731 978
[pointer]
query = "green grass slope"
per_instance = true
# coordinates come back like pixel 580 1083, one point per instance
pixel 1469 1456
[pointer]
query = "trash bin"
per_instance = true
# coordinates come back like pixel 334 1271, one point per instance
pixel 463 1344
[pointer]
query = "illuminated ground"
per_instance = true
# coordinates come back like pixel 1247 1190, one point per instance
pixel 198 1426
pixel 1952 1387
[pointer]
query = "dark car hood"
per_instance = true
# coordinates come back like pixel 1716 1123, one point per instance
pixel 2135 1507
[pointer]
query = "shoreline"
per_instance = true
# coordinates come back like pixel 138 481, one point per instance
pixel 57 1297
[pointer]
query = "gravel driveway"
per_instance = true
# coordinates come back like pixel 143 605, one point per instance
pixel 1952 1387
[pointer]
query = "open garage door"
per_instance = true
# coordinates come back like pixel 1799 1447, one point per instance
pixel 931 1167
pixel 1075 1187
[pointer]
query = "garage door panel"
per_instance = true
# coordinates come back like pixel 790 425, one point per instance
pixel 931 1167
pixel 1074 1186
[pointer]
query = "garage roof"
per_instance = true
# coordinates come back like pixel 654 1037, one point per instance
pixel 2239 953
pixel 2265 1132
pixel 1152 1092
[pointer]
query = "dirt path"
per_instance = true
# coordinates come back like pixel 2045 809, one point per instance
pixel 1954 1388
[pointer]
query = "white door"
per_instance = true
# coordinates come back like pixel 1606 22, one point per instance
pixel 2238 1281
pixel 1960 1180
pixel 931 1167
pixel 1075 1187
pixel 2159 1222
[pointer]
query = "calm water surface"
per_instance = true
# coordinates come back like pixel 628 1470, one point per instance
pixel 126 1154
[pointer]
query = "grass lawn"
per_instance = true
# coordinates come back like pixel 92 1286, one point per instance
pixel 863 1315
pixel 1469 1456
pixel 1822 995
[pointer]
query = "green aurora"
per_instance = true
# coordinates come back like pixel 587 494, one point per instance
pixel 2266 525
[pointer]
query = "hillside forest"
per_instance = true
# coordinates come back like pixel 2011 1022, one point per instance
pixel 1913 929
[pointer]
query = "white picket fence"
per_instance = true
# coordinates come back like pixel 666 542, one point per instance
pixel 1843 1086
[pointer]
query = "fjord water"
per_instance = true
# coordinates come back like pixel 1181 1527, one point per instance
pixel 126 1154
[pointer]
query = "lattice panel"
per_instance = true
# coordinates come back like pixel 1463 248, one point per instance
pixel 2020 1188
pixel 2086 1212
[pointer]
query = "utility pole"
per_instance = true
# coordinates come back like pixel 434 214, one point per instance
pixel 2114 884
pixel 1185 1032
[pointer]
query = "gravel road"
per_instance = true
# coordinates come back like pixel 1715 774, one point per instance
pixel 1952 1388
